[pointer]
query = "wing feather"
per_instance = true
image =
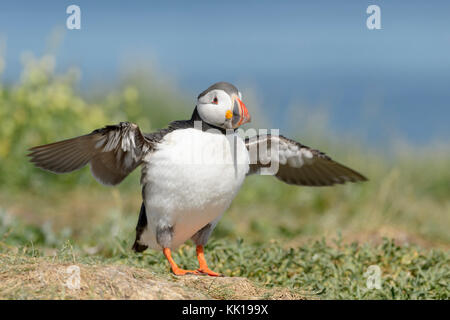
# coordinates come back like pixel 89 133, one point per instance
pixel 297 164
pixel 113 152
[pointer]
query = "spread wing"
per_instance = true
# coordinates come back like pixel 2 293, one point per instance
pixel 113 152
pixel 298 164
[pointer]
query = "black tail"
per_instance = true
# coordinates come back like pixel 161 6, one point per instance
pixel 141 226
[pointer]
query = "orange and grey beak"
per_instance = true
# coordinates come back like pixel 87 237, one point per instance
pixel 240 113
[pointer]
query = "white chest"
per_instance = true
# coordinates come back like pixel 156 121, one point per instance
pixel 191 179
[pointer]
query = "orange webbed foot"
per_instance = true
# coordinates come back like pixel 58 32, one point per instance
pixel 203 265
pixel 175 269
pixel 209 272
pixel 183 272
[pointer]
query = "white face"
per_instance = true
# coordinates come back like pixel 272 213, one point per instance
pixel 213 108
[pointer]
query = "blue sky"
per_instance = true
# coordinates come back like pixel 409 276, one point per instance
pixel 387 83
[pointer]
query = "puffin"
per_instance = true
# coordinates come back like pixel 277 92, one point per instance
pixel 192 169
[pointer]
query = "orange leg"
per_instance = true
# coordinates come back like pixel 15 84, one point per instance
pixel 175 269
pixel 203 265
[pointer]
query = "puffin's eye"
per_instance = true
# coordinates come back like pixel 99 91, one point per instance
pixel 215 100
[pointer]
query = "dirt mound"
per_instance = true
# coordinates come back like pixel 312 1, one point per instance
pixel 37 278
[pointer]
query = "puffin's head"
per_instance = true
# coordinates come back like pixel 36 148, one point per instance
pixel 220 105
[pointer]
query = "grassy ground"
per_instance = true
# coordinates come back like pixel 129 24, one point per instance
pixel 315 270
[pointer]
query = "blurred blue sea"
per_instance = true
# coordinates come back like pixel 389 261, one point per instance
pixel 380 84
